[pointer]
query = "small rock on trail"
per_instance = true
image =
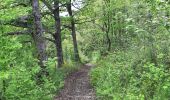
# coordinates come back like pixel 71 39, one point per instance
pixel 77 86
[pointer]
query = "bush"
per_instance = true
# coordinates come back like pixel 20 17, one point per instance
pixel 124 75
pixel 19 69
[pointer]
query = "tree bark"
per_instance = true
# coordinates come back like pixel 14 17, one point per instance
pixel 73 33
pixel 57 34
pixel 38 34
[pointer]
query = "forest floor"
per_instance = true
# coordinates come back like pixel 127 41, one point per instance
pixel 77 86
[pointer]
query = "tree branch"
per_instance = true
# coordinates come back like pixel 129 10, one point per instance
pixel 48 5
pixel 49 39
pixel 67 26
pixel 85 21
pixel 25 32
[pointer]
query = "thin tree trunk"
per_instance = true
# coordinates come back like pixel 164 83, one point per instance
pixel 38 34
pixel 57 34
pixel 76 52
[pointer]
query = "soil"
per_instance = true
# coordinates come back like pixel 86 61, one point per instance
pixel 77 86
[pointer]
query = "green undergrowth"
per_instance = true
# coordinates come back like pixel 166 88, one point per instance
pixel 130 76
pixel 22 83
pixel 20 73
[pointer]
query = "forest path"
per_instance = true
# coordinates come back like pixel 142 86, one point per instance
pixel 77 86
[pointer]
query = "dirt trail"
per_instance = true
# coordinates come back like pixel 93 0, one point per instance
pixel 77 86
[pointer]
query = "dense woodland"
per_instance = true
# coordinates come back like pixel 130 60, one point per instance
pixel 42 41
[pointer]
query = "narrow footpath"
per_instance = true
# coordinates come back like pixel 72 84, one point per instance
pixel 77 86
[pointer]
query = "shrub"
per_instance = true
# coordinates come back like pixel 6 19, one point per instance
pixel 123 75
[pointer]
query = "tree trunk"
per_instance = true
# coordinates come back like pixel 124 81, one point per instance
pixel 76 53
pixel 57 34
pixel 38 34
